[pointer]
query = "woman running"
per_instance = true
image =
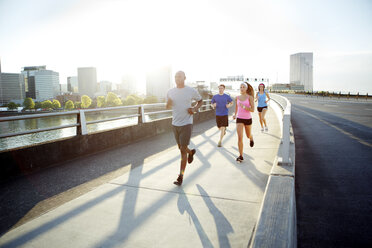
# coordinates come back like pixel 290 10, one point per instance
pixel 262 105
pixel 244 105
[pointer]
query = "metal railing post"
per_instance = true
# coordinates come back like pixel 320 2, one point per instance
pixel 141 114
pixel 82 128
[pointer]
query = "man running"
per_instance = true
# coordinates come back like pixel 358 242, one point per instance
pixel 180 99
pixel 221 102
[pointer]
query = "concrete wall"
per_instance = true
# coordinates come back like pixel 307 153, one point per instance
pixel 29 159
pixel 276 224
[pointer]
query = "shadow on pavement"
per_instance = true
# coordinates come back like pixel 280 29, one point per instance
pixel 223 226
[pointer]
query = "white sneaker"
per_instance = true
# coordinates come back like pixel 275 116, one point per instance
pixel 266 129
pixel 262 129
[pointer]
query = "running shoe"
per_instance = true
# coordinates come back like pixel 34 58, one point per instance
pixel 240 159
pixel 191 156
pixel 251 143
pixel 179 180
pixel 219 144
pixel 262 129
pixel 266 129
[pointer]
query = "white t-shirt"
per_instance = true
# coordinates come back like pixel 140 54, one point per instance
pixel 182 99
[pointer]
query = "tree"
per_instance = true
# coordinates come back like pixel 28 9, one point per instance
pixel 47 104
pixel 69 105
pixel 28 103
pixel 78 105
pixel 112 99
pixel 133 100
pixel 56 104
pixel 85 101
pixel 150 99
pixel 139 100
pixel 12 105
pixel 130 100
pixel 38 105
pixel 117 102
pixel 101 102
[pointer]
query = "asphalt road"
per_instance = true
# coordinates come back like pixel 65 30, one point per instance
pixel 333 171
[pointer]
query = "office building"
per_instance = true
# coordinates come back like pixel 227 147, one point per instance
pixel 129 84
pixel 301 70
pixel 63 88
pixel 104 87
pixel 87 80
pixel 72 84
pixel 287 87
pixel 12 87
pixel 41 84
pixel 158 82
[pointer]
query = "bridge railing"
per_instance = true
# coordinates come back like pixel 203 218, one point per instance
pixel 285 105
pixel 81 123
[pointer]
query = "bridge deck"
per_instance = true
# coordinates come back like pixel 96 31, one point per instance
pixel 137 204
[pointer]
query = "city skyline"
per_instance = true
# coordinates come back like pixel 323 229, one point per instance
pixel 208 40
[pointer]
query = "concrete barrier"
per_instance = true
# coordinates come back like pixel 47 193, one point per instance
pixel 24 160
pixel 276 224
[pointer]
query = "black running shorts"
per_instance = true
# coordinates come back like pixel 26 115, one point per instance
pixel 182 134
pixel 246 122
pixel 259 109
pixel 222 121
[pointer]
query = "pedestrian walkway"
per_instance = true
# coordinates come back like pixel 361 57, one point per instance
pixel 217 205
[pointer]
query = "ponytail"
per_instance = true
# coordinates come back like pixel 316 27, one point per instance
pixel 250 90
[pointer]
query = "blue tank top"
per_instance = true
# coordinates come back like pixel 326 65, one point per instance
pixel 261 100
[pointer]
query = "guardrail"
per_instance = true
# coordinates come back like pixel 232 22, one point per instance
pixel 285 105
pixel 276 225
pixel 81 124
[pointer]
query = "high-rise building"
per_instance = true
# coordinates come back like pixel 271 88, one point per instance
pixel 129 84
pixel 63 88
pixel 12 87
pixel 87 80
pixel 104 87
pixel 301 70
pixel 158 82
pixel 41 84
pixel 72 84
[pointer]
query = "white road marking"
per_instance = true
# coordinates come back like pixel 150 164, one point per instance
pixel 304 102
pixel 367 109
pixel 330 105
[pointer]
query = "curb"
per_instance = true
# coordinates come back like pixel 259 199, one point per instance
pixel 276 224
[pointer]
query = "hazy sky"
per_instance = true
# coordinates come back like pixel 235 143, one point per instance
pixel 206 39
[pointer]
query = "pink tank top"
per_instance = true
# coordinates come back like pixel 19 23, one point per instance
pixel 244 113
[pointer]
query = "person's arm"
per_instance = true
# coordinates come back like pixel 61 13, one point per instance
pixel 256 97
pixel 251 101
pixel 230 103
pixel 213 103
pixel 268 97
pixel 196 107
pixel 236 107
pixel 169 103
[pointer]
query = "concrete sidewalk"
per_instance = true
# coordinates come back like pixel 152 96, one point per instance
pixel 217 205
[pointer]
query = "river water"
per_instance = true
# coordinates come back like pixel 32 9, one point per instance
pixel 45 122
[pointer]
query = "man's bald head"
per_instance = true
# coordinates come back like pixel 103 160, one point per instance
pixel 180 79
pixel 181 73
